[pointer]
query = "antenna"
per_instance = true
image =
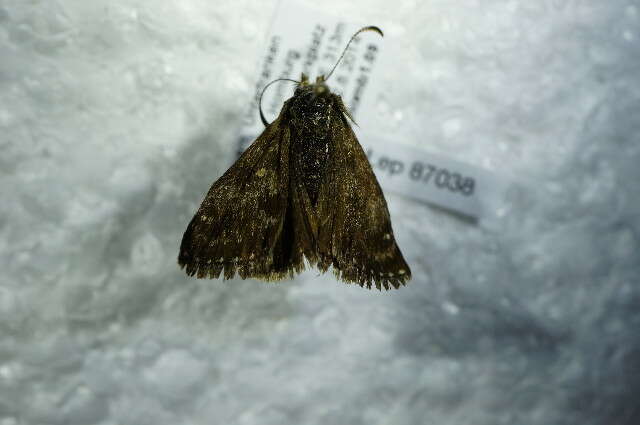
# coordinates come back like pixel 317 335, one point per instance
pixel 369 28
pixel 264 120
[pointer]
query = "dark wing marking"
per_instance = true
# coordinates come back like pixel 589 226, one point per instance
pixel 303 217
pixel 355 235
pixel 240 225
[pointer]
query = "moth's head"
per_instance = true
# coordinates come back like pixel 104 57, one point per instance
pixel 317 92
pixel 319 88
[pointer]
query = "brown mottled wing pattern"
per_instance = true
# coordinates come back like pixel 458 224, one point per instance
pixel 239 226
pixel 355 234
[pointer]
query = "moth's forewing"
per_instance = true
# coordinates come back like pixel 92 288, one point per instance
pixel 356 236
pixel 238 227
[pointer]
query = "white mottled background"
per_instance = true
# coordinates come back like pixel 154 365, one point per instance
pixel 116 116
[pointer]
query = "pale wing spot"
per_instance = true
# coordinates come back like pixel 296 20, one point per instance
pixel 402 271
pixel 387 236
pixel 261 172
pixel 203 217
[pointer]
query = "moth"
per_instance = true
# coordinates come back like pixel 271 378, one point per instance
pixel 302 194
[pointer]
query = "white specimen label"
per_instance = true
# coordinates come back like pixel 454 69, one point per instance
pixel 310 41
pixel 435 179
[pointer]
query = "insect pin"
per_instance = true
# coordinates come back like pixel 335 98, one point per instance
pixel 302 194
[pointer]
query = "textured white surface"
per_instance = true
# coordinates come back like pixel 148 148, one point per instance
pixel 115 117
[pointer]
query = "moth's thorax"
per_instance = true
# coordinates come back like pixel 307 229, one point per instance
pixel 311 112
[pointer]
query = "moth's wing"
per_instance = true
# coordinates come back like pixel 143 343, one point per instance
pixel 355 235
pixel 239 225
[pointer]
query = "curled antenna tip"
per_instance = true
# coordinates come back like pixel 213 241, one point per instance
pixel 372 28
pixel 368 28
